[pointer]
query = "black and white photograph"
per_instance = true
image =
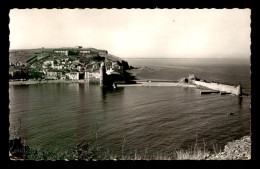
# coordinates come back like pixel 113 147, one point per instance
pixel 129 84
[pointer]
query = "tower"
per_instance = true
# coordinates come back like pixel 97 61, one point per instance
pixel 240 90
pixel 102 74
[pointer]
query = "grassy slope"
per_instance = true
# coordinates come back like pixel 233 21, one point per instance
pixel 235 150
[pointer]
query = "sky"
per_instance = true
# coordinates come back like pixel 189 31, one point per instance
pixel 136 33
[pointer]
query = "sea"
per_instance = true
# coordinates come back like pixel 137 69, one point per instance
pixel 59 116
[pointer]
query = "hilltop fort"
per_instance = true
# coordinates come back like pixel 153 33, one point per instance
pixel 88 64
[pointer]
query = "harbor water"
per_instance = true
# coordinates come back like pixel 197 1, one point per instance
pixel 60 115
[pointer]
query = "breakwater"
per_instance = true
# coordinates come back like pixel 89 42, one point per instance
pixel 236 90
pixel 157 84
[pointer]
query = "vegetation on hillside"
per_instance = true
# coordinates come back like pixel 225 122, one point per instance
pixel 235 150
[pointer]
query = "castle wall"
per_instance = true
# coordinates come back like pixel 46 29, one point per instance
pixel 92 77
pixel 102 74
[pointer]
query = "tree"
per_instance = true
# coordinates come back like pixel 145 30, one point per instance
pixel 36 75
pixel 72 52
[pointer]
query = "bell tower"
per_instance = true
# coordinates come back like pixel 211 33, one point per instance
pixel 102 74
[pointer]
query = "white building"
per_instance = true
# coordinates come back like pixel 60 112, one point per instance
pixel 78 68
pixel 84 52
pixel 33 66
pixel 61 52
pixel 73 75
pixel 89 75
pixel 52 75
pixel 59 67
pixel 111 71
pixel 48 62
pixel 62 77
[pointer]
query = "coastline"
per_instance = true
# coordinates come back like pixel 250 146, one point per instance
pixel 28 82
pixel 139 83
pixel 239 149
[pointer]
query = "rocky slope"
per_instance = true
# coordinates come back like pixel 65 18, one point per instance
pixel 235 150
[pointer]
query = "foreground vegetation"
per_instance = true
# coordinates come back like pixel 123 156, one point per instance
pixel 238 149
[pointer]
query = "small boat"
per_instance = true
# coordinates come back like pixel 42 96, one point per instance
pixel 231 113
pixel 209 92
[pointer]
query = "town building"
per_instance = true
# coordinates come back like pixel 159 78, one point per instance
pixel 48 63
pixel 62 77
pixel 92 77
pixel 59 67
pixel 11 73
pixel 84 52
pixel 79 68
pixel 72 75
pixel 61 52
pixel 51 75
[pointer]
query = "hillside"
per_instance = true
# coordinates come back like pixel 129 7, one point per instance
pixel 23 55
pixel 66 64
